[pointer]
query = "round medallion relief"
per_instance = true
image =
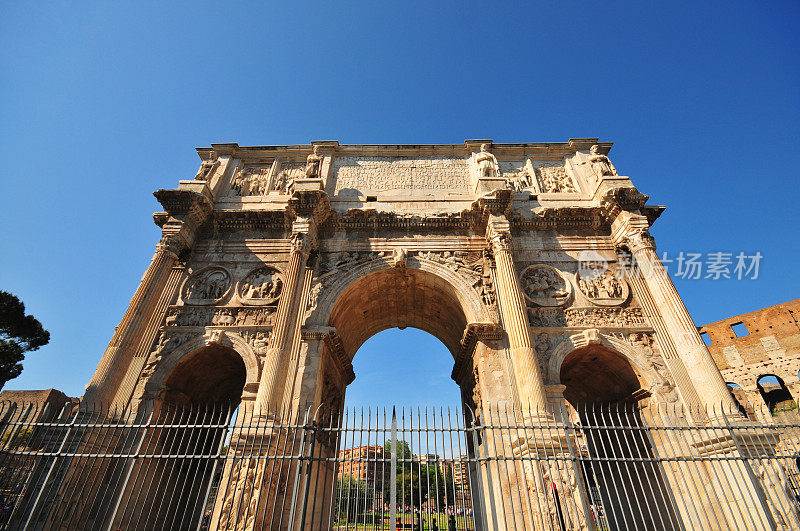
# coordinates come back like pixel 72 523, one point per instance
pixel 545 286
pixel 207 286
pixel 262 286
pixel 601 286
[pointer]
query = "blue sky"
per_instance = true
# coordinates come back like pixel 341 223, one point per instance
pixel 102 103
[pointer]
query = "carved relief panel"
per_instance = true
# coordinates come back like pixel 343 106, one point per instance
pixel 544 285
pixel 406 175
pixel 226 316
pixel 538 176
pixel 207 286
pixel 251 180
pixel 602 286
pixel 287 172
pixel 262 286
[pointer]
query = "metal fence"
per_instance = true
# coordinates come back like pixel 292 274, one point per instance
pixel 220 466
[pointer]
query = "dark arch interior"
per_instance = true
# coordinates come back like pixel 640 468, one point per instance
pixel 774 392
pixel 596 374
pixel 398 298
pixel 209 375
pixel 203 388
pixel 603 386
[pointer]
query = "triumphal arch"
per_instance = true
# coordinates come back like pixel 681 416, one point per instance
pixel 513 255
pixel 532 262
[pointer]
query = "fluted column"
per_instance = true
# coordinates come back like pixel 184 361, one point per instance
pixel 114 363
pixel 514 314
pixel 631 230
pixel 273 377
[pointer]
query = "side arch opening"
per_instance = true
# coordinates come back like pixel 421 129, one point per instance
pixel 620 474
pixel 190 419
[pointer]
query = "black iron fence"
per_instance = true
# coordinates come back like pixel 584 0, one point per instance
pixel 222 466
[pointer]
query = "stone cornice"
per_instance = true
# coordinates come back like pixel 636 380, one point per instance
pixel 543 149
pixel 233 220
pixel 565 217
pixel 357 219
pixel 181 202
pixel 339 356
pixel 473 333
pixel 572 217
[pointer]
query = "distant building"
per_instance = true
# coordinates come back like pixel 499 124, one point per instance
pixel 758 354
pixel 364 463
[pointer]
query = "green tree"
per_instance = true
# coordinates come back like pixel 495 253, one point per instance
pixel 19 333
pixel 404 454
pixel 353 497
pixel 444 487
pixel 412 486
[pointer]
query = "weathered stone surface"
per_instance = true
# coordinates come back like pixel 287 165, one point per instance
pixel 278 262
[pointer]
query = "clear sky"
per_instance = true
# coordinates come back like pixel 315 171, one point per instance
pixel 102 103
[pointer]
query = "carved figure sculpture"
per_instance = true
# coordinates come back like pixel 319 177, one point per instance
pixel 313 163
pixel 207 167
pixel 209 285
pixel 520 180
pixel 601 165
pixel 262 285
pixel 399 257
pixel 487 163
pixel 281 182
pixel 543 283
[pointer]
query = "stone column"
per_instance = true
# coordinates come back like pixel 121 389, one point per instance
pixel 631 230
pixel 113 365
pixel 514 314
pixel 273 378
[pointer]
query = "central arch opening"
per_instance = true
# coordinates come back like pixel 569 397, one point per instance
pixel 399 297
pixel 407 367
pixel 401 328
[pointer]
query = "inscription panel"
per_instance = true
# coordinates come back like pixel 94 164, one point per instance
pixel 405 175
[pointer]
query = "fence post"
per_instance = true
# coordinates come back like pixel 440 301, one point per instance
pixel 484 506
pixel 50 470
pixel 393 473
pixel 298 472
pixel 312 428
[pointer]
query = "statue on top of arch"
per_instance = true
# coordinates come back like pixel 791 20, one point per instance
pixel 487 163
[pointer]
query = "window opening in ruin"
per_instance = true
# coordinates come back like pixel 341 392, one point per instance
pixel 739 396
pixel 706 338
pixel 740 329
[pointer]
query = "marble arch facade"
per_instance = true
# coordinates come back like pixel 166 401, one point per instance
pixel 488 243
pixel 514 255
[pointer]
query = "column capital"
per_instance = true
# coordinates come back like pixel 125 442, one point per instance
pixel 633 231
pixel 171 245
pixel 498 233
pixel 304 235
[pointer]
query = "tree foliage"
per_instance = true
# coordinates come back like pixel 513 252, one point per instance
pixel 353 497
pixel 19 333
